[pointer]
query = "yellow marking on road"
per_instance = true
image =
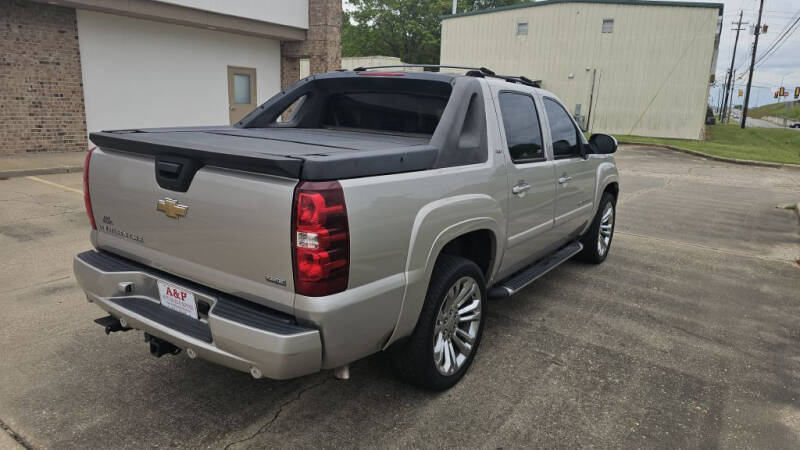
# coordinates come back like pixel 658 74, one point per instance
pixel 66 188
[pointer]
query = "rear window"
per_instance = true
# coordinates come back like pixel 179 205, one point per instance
pixel 385 111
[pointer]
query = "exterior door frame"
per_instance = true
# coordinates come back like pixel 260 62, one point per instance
pixel 237 111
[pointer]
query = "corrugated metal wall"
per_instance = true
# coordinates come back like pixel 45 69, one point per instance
pixel 651 74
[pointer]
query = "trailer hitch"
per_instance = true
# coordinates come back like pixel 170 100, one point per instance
pixel 160 347
pixel 112 324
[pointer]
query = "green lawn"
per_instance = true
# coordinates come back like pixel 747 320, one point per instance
pixel 778 110
pixel 756 144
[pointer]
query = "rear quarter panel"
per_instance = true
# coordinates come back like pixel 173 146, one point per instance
pixel 398 226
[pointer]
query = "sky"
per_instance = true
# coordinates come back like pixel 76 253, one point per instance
pixel 784 64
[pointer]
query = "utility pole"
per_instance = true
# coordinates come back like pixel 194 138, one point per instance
pixel 729 85
pixel 730 94
pixel 752 66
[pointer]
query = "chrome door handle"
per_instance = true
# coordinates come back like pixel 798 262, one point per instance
pixel 520 188
pixel 564 179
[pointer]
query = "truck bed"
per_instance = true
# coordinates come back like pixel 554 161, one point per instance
pixel 301 153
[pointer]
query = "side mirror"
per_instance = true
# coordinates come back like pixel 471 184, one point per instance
pixel 603 144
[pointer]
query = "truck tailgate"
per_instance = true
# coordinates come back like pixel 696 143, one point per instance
pixel 233 236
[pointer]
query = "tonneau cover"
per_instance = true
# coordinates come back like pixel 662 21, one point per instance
pixel 302 153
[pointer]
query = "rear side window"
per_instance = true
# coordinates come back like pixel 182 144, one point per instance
pixel 523 133
pixel 563 132
pixel 385 111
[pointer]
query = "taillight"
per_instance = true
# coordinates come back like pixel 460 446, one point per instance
pixel 320 238
pixel 87 199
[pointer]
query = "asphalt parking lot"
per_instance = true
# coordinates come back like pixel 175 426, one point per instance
pixel 688 336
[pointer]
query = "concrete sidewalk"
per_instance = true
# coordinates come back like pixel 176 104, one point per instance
pixel 40 164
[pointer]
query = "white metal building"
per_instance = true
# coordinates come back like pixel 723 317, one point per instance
pixel 626 66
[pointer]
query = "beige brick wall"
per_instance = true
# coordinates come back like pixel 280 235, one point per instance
pixel 41 95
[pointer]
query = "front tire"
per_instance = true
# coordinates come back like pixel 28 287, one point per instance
pixel 597 240
pixel 449 328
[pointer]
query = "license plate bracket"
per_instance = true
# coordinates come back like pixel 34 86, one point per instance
pixel 177 299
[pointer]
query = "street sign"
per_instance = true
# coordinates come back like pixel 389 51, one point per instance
pixel 741 92
pixel 782 92
pixel 796 93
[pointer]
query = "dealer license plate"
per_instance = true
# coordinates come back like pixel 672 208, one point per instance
pixel 177 299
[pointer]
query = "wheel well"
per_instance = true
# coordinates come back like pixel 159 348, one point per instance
pixel 613 189
pixel 477 246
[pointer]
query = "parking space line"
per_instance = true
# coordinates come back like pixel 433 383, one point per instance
pixel 66 188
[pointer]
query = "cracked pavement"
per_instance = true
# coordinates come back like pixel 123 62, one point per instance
pixel 688 336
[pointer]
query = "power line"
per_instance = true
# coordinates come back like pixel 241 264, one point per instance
pixel 781 38
pixel 779 42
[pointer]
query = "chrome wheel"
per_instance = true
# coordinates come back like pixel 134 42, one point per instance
pixel 606 229
pixel 457 325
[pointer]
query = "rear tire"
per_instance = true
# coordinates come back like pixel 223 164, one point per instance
pixel 450 326
pixel 597 240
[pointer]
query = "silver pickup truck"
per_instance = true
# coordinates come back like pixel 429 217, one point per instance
pixel 355 212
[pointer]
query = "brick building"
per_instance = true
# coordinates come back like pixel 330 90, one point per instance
pixel 72 67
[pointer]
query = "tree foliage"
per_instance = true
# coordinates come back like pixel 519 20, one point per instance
pixel 408 29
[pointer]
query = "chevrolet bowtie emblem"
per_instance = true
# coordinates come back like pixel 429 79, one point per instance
pixel 171 208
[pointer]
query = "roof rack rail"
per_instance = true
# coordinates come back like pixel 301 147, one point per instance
pixel 521 80
pixel 483 70
pixel 480 72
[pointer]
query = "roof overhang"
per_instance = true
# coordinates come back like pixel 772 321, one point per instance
pixel 534 4
pixel 181 15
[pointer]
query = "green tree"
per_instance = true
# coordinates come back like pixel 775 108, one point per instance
pixel 474 5
pixel 408 29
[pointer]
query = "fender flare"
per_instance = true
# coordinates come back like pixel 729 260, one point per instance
pixel 429 235
pixel 605 175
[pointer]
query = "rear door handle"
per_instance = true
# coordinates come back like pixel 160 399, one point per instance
pixel 564 179
pixel 520 188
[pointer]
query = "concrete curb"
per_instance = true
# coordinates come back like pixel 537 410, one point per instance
pixel 745 162
pixel 797 212
pixel 40 171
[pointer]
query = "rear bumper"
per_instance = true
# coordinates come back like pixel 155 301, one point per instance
pixel 234 333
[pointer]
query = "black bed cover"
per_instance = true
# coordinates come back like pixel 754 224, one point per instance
pixel 301 153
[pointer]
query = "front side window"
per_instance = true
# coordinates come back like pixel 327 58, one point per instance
pixel 523 133
pixel 566 143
